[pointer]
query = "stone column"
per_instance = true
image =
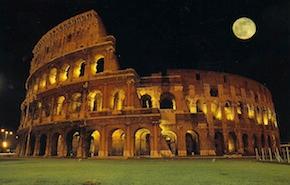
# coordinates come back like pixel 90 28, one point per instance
pixel 103 152
pixel 37 145
pixel 240 146
pixel 128 149
pixel 181 143
pixel 106 98
pixel 48 145
pixel 130 94
pixel 251 143
pixel 156 140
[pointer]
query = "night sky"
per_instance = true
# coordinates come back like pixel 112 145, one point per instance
pixel 154 35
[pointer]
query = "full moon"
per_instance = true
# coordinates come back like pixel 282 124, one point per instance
pixel 244 28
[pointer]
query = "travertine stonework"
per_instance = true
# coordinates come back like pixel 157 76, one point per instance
pixel 80 104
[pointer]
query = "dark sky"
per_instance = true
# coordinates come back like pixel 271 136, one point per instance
pixel 153 35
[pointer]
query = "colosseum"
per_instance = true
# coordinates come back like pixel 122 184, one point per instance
pixel 79 103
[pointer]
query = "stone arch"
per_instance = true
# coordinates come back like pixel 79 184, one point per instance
pixel 79 69
pixel 117 142
pixel 219 143
pixel 192 143
pixel 117 99
pixel 94 143
pixel 232 142
pixel 42 145
pixel 142 142
pixel 64 74
pixel 229 111
pixel 73 142
pixel 56 144
pixel 76 102
pixel 245 140
pixel 170 139
pixel 95 100
pixel 167 101
pixel 52 76
pixel 146 101
pixel 98 64
pixel 199 107
pixel 216 110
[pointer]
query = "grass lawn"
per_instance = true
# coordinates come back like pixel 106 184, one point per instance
pixel 139 172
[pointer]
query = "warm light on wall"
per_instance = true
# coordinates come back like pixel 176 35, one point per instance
pixel 95 101
pixel 95 63
pixel 4 144
pixel 76 102
pixel 251 111
pixel 59 106
pixel 78 68
pixel 265 118
pixel 42 83
pixel 117 99
pixel 216 110
pixel 229 111
pixel 63 75
pixel 52 76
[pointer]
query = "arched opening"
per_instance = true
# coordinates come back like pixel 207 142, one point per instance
pixel 240 108
pixel 56 145
pixel 52 76
pixel 24 145
pixel 214 92
pixel 198 106
pixel 64 74
pixel 35 85
pixel 146 101
pixel 170 139
pixel 79 69
pixel 245 143
pixel 192 143
pixel 232 142
pixel 42 145
pixel 95 101
pixel 59 105
pixel 100 65
pixel 229 111
pixel 42 83
pixel 32 144
pixel 167 101
pixel 255 141
pixel 216 110
pixel 219 143
pixel 263 140
pixel 76 103
pixel 72 142
pixel 142 142
pixel 269 141
pixel 117 143
pixel 117 100
pixel 82 69
pixel 94 143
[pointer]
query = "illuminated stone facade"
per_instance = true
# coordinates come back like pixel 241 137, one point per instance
pixel 80 104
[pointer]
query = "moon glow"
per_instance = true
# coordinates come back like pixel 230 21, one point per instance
pixel 244 28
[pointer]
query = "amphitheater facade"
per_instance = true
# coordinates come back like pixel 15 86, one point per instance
pixel 79 103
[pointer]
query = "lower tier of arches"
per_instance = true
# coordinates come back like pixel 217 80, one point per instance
pixel 140 140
